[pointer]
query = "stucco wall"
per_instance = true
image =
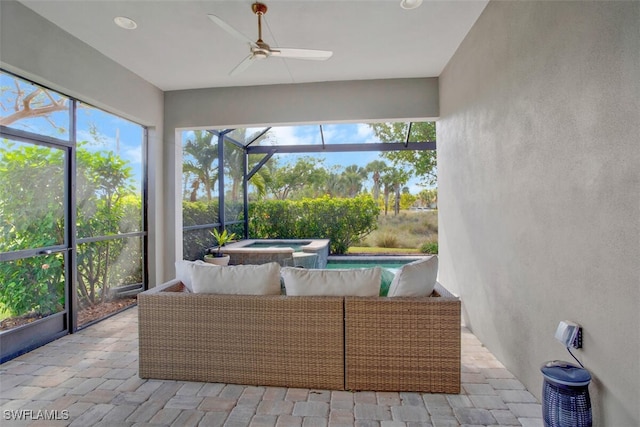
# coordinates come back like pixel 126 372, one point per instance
pixel 539 189
pixel 34 48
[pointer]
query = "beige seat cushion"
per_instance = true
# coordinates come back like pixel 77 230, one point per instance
pixel 415 279
pixel 362 282
pixel 261 279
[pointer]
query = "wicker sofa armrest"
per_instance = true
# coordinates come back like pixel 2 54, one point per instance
pixel 441 291
pixel 174 285
pixel 409 344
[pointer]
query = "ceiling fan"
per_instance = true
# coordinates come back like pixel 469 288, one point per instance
pixel 260 50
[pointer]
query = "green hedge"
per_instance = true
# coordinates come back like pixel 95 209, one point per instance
pixel 107 204
pixel 343 221
pixel 195 243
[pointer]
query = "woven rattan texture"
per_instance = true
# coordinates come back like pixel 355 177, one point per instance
pixel 261 340
pixel 335 343
pixel 407 344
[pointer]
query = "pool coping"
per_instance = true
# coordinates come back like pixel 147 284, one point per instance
pixel 380 258
pixel 244 245
pixel 242 252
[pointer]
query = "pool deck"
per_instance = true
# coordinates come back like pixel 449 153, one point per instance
pixel 91 379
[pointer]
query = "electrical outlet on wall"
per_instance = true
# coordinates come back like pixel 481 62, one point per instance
pixel 569 334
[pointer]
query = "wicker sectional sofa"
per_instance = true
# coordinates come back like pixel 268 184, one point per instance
pixel 320 342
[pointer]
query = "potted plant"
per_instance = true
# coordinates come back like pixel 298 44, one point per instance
pixel 218 257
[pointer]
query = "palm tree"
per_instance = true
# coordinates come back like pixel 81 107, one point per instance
pixel 376 168
pixel 234 165
pixel 261 178
pixel 387 187
pixel 352 177
pixel 234 168
pixel 334 185
pixel 200 154
pixel 394 179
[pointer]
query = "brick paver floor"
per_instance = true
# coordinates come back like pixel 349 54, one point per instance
pixel 91 379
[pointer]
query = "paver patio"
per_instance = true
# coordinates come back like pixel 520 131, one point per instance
pixel 91 378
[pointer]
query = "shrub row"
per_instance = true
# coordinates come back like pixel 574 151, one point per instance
pixel 343 221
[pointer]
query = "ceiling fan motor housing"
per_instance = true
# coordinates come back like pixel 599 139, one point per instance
pixel 259 8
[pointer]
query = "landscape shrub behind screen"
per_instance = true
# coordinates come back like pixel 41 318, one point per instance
pixel 343 221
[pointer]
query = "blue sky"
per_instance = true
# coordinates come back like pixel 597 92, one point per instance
pixel 333 134
pixel 112 133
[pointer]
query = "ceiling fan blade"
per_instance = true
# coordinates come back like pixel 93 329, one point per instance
pixel 229 29
pixel 314 55
pixel 246 62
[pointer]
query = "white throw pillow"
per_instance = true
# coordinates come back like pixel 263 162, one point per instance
pixel 416 279
pixel 261 279
pixel 183 272
pixel 359 282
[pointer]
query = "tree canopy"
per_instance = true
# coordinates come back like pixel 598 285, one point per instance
pixel 422 164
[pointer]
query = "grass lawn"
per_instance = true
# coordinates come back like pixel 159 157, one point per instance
pixel 378 251
pixel 404 233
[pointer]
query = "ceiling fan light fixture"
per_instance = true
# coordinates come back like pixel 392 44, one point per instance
pixel 410 4
pixel 126 23
pixel 260 54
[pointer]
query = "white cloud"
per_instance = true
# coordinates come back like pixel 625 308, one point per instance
pixel 365 133
pixel 133 154
pixel 295 135
pixel 131 151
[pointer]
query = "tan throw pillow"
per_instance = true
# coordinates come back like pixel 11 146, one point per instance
pixel 261 279
pixel 415 279
pixel 359 282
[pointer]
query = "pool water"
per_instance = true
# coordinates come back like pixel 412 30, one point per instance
pixel 384 263
pixel 365 264
pixel 297 247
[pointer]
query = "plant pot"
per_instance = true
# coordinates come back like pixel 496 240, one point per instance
pixel 222 260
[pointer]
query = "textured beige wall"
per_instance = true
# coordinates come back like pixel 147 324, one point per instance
pixel 539 189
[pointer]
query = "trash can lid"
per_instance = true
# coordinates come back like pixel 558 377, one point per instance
pixel 565 373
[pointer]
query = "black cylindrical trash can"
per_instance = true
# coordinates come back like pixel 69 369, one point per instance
pixel 565 395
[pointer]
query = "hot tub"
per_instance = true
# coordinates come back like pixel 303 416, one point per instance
pixel 282 251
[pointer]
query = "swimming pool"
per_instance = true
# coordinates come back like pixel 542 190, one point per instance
pixel 335 262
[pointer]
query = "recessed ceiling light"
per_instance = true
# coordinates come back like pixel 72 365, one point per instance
pixel 126 23
pixel 410 4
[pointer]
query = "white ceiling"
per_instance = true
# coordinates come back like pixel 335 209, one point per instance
pixel 176 46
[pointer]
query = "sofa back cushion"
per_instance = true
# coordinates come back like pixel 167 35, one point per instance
pixel 263 279
pixel 415 279
pixel 183 271
pixel 361 282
